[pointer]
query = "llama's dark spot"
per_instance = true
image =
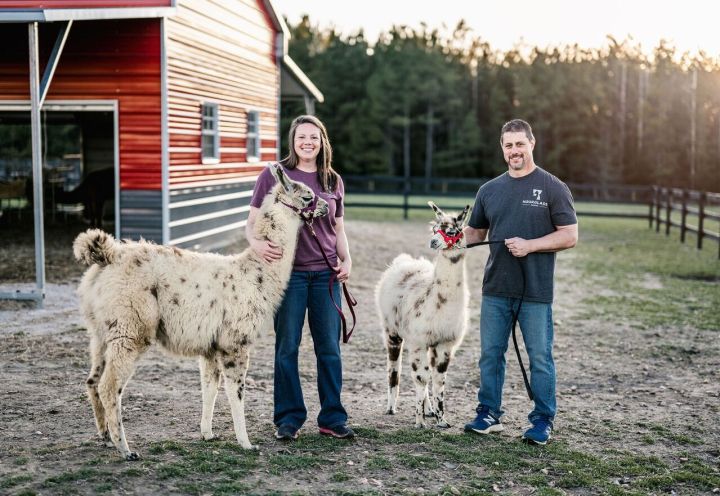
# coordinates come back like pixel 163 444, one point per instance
pixel 183 280
pixel 432 360
pixel 417 314
pixel 406 277
pixel 197 286
pixel 244 341
pixel 273 226
pixel 233 288
pixel 394 338
pixel 224 284
pixel 259 279
pixel 241 392
pixel 414 366
pixel 138 262
pixel 177 251
pixel 175 299
pixel 213 345
pixel 458 284
pixel 419 303
pixel 442 367
pixel 215 275
pixel 441 406
pixel 393 353
pixel 394 381
pixel 229 365
pixel 120 391
pixel 111 324
pixel 437 281
pixel 166 285
pixel 231 277
pixel 441 299
pixel 90 381
pixel 212 303
pixel 455 259
pixel 153 291
pixel 419 379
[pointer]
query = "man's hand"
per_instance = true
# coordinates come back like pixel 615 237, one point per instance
pixel 267 250
pixel 519 247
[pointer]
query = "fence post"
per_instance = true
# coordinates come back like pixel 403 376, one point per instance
pixel 683 216
pixel 668 210
pixel 657 210
pixel 701 220
pixel 653 199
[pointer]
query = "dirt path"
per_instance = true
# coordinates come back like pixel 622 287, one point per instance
pixel 617 385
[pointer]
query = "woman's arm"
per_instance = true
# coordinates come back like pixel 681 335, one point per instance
pixel 343 251
pixel 265 249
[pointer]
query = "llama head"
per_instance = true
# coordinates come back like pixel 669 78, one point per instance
pixel 297 195
pixel 447 228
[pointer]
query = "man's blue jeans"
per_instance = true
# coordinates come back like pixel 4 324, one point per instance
pixel 308 291
pixel 536 323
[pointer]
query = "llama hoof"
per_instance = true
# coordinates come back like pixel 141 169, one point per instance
pixel 211 438
pixel 390 411
pixel 442 425
pixel 132 457
pixel 420 426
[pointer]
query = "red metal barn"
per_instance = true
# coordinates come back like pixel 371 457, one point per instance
pixel 180 97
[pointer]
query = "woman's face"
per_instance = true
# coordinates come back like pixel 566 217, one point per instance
pixel 307 143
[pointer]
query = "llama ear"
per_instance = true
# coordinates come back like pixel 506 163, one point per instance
pixel 436 209
pixel 463 215
pixel 279 174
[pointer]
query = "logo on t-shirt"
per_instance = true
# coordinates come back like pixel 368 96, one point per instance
pixel 536 193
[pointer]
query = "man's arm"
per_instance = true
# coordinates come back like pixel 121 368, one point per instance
pixel 473 235
pixel 563 238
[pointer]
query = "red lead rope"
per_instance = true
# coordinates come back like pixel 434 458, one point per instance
pixel 351 302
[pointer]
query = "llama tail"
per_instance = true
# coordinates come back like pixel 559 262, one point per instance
pixel 95 247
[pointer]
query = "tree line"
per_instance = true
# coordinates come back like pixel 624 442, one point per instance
pixel 432 102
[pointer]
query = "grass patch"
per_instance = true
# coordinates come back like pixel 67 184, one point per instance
pixel 7 482
pixel 649 278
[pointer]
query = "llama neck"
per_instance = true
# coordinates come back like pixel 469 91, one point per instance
pixel 450 267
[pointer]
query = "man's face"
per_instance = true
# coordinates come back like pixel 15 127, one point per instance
pixel 517 150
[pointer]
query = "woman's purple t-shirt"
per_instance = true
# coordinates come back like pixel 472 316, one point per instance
pixel 307 255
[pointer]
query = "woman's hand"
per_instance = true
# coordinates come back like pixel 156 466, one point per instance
pixel 267 250
pixel 344 268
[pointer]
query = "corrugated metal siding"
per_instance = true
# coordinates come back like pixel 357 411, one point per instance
pixel 141 214
pixel 220 51
pixel 206 217
pixel 81 4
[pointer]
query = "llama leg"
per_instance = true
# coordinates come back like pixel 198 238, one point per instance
pixel 394 344
pixel 439 362
pixel 209 382
pixel 421 375
pixel 97 366
pixel 120 358
pixel 235 368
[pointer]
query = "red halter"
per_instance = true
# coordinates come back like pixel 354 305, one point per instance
pixel 451 241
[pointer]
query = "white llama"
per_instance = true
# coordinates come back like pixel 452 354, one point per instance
pixel 194 304
pixel 425 304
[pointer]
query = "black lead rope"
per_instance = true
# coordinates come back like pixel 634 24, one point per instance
pixel 515 316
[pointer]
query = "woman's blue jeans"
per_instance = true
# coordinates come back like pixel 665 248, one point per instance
pixel 308 291
pixel 536 323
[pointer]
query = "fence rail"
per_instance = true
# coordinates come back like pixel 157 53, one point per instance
pixel 661 202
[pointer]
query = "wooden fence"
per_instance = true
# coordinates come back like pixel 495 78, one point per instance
pixel 699 206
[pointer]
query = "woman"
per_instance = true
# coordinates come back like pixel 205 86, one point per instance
pixel 309 161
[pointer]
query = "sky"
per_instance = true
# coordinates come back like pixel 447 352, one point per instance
pixel 691 25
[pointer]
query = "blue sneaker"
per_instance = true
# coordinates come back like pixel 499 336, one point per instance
pixel 539 433
pixel 485 422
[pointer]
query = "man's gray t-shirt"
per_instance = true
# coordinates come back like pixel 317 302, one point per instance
pixel 528 207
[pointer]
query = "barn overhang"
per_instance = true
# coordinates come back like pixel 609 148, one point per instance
pixel 295 84
pixel 55 15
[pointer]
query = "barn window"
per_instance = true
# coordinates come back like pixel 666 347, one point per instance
pixel 253 136
pixel 210 133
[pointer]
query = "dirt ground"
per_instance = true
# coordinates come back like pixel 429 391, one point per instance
pixel 613 381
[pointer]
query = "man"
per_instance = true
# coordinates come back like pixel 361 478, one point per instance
pixel 533 212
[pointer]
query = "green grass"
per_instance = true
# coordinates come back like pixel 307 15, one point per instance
pixel 650 279
pixel 6 482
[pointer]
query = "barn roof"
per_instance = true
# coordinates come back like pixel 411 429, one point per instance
pixel 78 10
